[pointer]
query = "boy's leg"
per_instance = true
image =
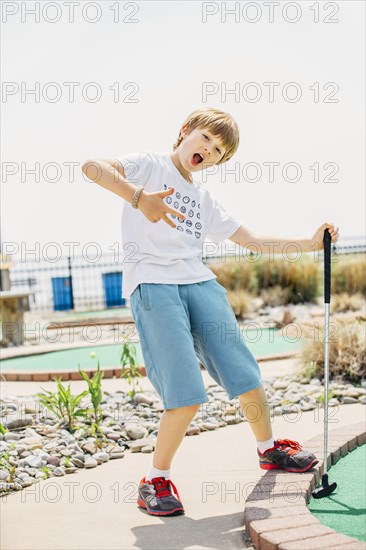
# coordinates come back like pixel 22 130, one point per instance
pixel 172 429
pixel 256 409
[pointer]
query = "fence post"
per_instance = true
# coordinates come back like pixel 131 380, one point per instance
pixel 71 285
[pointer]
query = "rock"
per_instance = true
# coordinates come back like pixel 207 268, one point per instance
pixel 79 456
pixel 51 446
pixel 59 471
pixel 67 452
pixel 136 432
pixel 231 420
pixel 25 454
pixel 31 471
pixel 90 462
pixel 193 430
pixel 116 454
pixel 5 486
pixel 315 382
pixel 28 481
pixel 293 397
pixel 136 446
pixel 54 460
pixel 4 474
pixel 113 436
pixel 147 449
pixel 143 398
pixel 354 392
pixel 32 442
pixel 280 384
pixel 209 425
pixel 89 447
pixel 288 317
pixel 70 469
pixel 9 436
pixel 18 421
pixel 34 461
pixel 231 410
pixel 362 399
pixel 101 457
pixel 349 400
pixel 307 406
pixel 78 463
pixel 333 402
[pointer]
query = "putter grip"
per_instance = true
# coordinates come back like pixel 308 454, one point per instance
pixel 326 241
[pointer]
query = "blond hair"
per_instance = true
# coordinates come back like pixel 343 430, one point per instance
pixel 220 124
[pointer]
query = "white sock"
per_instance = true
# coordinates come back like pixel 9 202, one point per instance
pixel 264 445
pixel 155 472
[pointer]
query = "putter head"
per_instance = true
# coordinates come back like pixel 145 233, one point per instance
pixel 325 489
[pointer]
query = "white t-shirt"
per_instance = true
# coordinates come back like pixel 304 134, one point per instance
pixel 157 252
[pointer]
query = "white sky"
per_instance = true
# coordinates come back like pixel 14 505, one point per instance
pixel 169 53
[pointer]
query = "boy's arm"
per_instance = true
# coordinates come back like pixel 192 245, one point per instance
pixel 109 174
pixel 273 245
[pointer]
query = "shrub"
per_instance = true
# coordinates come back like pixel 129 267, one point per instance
pixel 235 275
pixel 300 279
pixel 344 302
pixel 241 302
pixel 275 296
pixel 347 353
pixel 349 275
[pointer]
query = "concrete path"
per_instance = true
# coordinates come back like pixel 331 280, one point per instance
pixel 96 509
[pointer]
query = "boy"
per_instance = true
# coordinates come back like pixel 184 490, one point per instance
pixel 181 312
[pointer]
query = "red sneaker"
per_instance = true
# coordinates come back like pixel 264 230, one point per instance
pixel 156 497
pixel 287 455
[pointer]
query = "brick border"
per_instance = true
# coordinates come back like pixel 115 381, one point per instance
pixel 26 376
pixel 276 515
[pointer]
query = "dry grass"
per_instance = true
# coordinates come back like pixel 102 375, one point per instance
pixel 241 301
pixel 275 296
pixel 349 275
pixel 347 351
pixel 344 302
pixel 236 275
pixel 280 282
pixel 299 279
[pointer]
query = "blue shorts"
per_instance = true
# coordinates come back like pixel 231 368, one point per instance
pixel 178 323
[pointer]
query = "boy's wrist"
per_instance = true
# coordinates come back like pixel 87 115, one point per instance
pixel 136 196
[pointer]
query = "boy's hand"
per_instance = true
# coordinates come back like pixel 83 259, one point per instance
pixel 155 209
pixel 319 234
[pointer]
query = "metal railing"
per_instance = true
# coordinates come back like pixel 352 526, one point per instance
pixel 80 285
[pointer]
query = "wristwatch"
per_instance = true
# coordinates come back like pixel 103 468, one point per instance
pixel 136 196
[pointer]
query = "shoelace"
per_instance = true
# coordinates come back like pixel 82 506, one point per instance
pixel 292 446
pixel 162 487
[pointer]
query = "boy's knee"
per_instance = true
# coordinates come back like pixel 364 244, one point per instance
pixel 187 409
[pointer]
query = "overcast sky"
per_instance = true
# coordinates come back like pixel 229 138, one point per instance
pixel 298 73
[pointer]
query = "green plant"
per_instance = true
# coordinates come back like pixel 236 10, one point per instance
pixel 321 400
pixel 310 370
pixel 129 364
pixel 63 404
pixel 4 463
pixel 67 462
pixel 95 392
pixel 46 471
pixel 3 430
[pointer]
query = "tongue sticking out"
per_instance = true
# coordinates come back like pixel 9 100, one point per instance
pixel 196 159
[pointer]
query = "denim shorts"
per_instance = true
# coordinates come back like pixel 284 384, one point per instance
pixel 178 323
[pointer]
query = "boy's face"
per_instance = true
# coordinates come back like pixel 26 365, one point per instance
pixel 199 149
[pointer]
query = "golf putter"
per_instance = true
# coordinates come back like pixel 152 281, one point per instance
pixel 324 490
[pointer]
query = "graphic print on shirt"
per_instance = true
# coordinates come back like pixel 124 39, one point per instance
pixel 189 207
